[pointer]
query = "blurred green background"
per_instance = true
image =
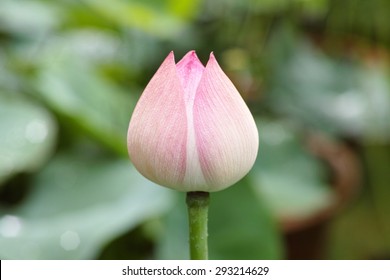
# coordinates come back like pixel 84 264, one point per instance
pixel 315 73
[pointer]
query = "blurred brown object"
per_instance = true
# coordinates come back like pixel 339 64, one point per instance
pixel 306 238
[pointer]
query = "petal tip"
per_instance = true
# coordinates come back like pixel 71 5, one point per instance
pixel 191 58
pixel 171 55
pixel 212 59
pixel 192 55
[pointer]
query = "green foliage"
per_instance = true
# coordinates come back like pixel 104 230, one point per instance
pixel 339 97
pixel 76 206
pixel 241 226
pixel 254 237
pixel 88 100
pixel 291 180
pixel 28 136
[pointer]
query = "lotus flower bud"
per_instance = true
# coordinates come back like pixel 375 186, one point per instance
pixel 191 130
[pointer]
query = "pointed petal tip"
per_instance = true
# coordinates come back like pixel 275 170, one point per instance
pixel 192 54
pixel 191 58
pixel 170 57
pixel 212 58
pixel 212 61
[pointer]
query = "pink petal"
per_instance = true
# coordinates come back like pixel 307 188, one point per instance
pixel 226 133
pixel 157 132
pixel 190 71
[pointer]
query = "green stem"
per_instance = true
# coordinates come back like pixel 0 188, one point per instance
pixel 198 205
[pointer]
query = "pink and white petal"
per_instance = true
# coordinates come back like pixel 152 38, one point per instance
pixel 226 133
pixel 157 132
pixel 190 71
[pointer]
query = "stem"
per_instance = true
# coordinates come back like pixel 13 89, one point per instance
pixel 198 205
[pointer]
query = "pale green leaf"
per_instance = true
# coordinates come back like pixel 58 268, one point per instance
pixel 27 136
pixel 76 206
